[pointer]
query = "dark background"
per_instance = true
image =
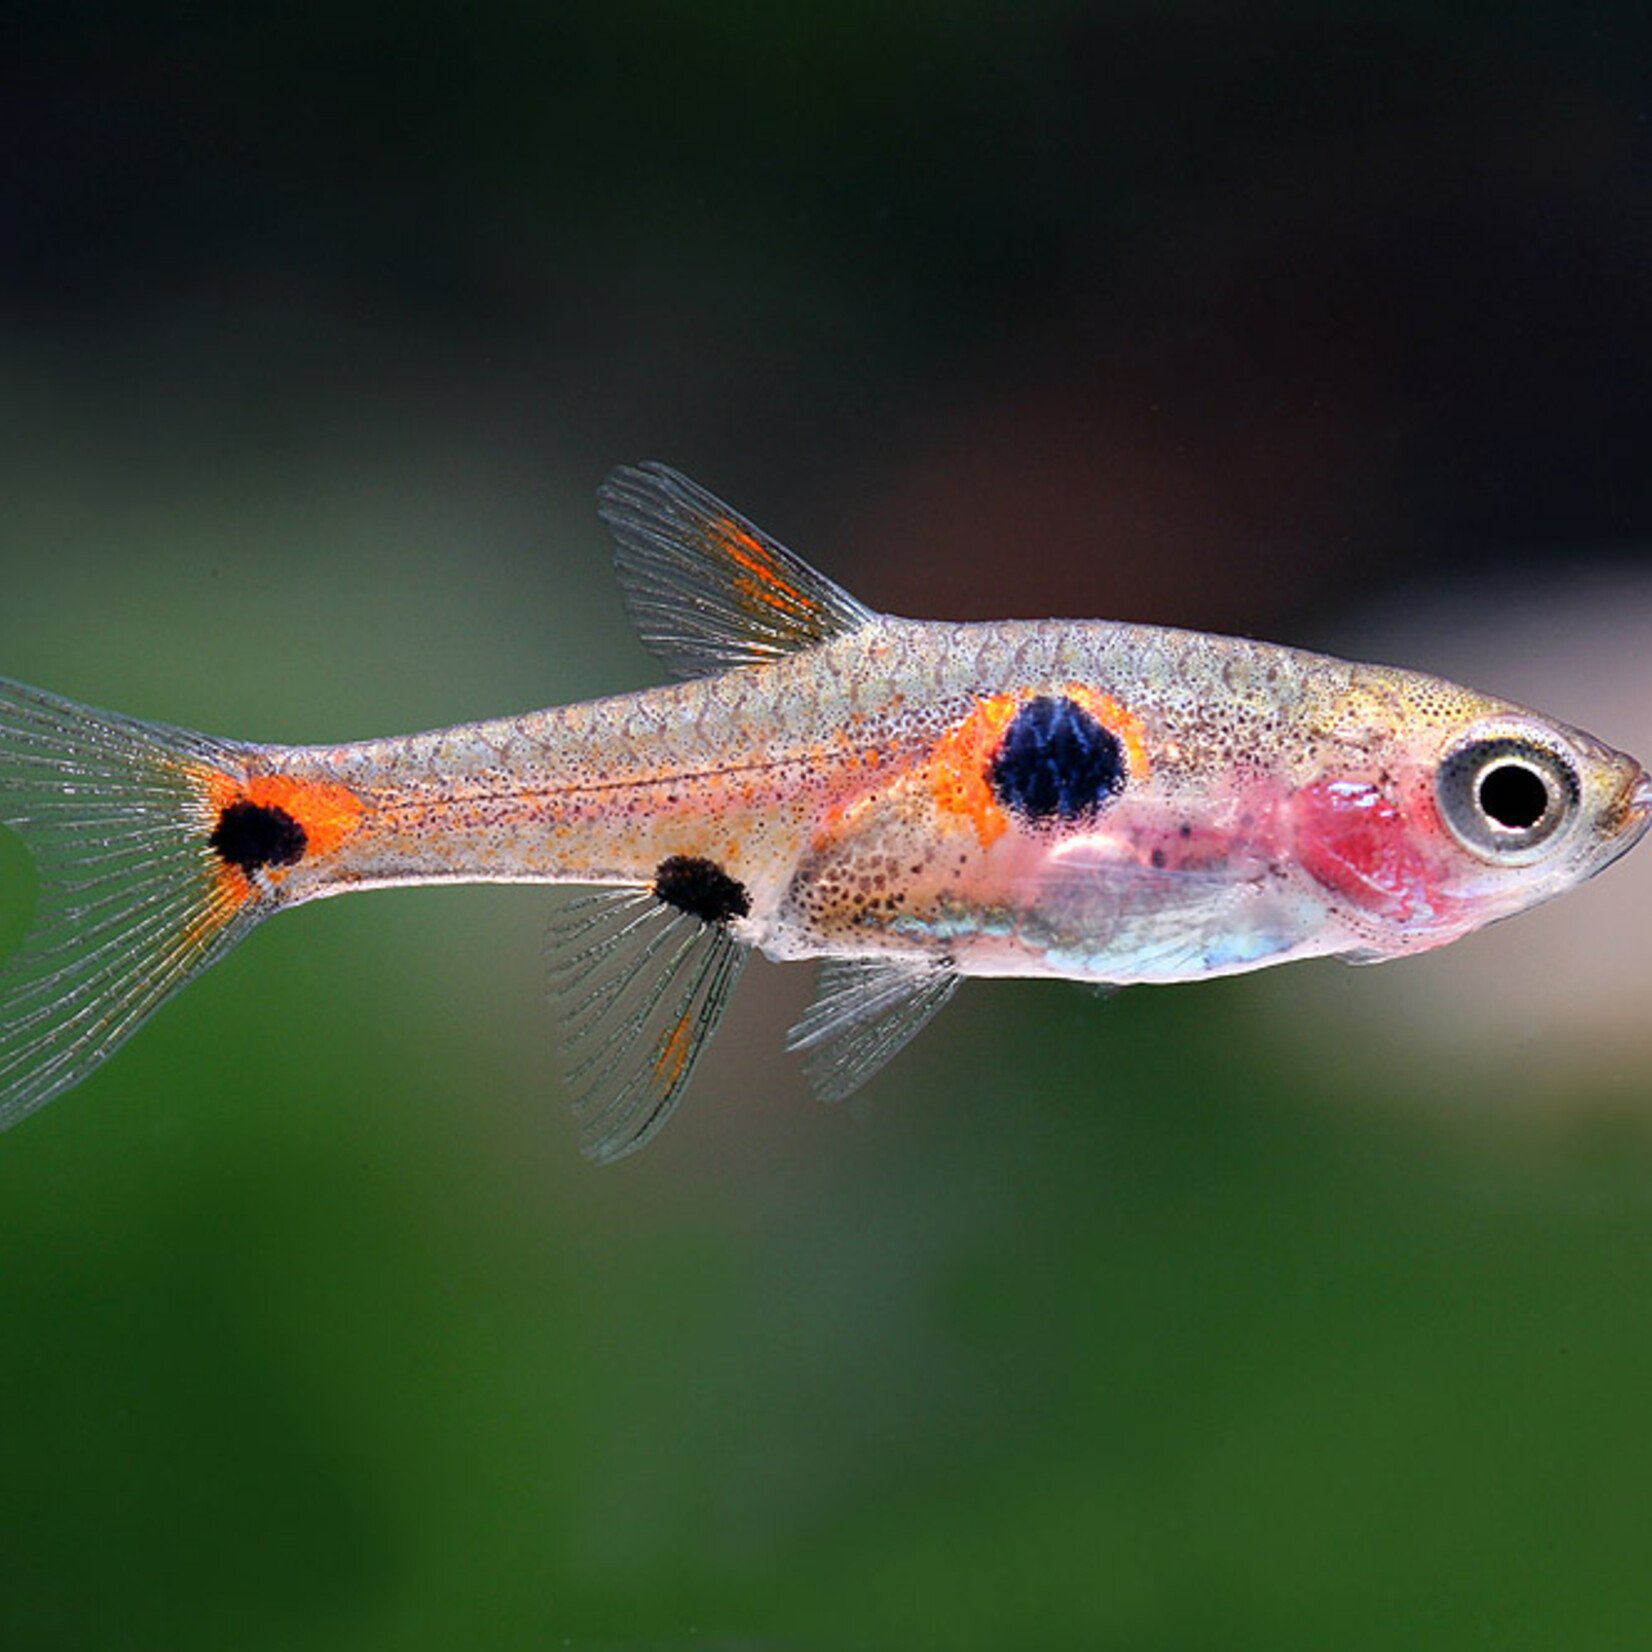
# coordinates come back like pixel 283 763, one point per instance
pixel 1302 1310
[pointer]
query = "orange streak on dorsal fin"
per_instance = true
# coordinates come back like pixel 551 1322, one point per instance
pixel 706 589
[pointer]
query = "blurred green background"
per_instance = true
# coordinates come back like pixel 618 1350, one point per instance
pixel 1312 1309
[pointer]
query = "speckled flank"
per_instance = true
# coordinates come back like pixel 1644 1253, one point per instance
pixel 1268 794
pixel 747 769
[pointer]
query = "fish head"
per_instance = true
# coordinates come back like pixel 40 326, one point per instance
pixel 1533 807
pixel 1467 810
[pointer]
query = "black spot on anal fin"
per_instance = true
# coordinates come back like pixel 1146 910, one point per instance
pixel 1056 762
pixel 251 835
pixel 701 888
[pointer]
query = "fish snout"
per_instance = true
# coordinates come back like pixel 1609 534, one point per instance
pixel 1640 797
pixel 1626 820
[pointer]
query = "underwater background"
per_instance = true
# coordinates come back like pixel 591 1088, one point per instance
pixel 1307 1309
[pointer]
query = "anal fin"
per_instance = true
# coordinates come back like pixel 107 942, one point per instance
pixel 642 988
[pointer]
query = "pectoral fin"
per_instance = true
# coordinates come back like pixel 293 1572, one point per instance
pixel 864 1013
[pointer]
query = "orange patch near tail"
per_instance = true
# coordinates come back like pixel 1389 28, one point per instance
pixel 326 812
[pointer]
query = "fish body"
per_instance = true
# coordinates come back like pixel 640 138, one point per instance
pixel 910 801
pixel 1269 802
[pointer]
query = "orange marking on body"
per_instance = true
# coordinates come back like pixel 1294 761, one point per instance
pixel 327 812
pixel 235 888
pixel 961 763
pixel 841 817
pixel 957 768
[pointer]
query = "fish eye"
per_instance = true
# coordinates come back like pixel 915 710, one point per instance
pixel 1507 799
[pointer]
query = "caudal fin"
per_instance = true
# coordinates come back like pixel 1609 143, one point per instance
pixel 120 898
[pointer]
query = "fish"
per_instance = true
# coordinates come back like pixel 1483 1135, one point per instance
pixel 909 802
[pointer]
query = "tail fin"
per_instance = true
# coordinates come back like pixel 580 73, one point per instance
pixel 130 899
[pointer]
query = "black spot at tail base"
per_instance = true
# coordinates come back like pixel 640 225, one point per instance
pixel 701 888
pixel 1056 762
pixel 250 835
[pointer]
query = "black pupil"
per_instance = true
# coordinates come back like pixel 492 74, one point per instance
pixel 1513 796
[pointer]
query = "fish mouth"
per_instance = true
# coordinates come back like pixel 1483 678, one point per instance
pixel 1637 803
pixel 1633 813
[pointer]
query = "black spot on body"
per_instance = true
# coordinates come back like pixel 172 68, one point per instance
pixel 701 888
pixel 250 835
pixel 1056 762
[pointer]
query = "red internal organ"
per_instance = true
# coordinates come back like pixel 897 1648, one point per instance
pixel 1359 843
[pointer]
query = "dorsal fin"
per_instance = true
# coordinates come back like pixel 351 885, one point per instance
pixel 706 590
